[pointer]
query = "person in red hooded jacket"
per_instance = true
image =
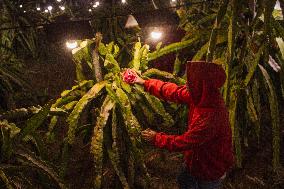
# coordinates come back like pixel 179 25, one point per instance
pixel 207 143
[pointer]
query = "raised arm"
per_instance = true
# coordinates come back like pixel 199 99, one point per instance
pixel 167 91
pixel 164 90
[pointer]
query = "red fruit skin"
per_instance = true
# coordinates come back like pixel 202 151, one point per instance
pixel 129 76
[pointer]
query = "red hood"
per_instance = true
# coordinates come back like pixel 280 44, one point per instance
pixel 204 82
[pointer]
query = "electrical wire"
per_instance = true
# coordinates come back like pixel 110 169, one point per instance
pixel 103 17
pixel 154 4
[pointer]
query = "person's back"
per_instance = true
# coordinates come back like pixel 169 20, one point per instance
pixel 207 144
pixel 210 159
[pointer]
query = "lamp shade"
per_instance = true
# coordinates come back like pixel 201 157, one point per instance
pixel 131 22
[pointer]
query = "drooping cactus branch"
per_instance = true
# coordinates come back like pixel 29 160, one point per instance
pixel 213 38
pixel 95 57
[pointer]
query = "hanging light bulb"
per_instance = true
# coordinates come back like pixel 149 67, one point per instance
pixel 58 1
pixel 25 11
pixel 97 3
pixel 156 34
pixel 62 8
pixel 49 8
pixel 123 1
pixel 71 44
pixel 46 11
pixel 90 10
pixel 38 7
pixel 21 6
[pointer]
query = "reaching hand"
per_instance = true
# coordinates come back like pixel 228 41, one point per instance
pixel 139 80
pixel 149 135
pixel 130 76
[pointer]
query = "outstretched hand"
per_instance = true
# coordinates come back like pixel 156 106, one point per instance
pixel 149 135
pixel 139 80
pixel 130 76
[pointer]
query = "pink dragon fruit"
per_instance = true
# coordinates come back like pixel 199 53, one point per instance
pixel 129 76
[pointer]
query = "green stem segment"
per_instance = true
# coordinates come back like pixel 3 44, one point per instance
pixel 234 126
pixel 171 48
pixel 213 38
pixel 5 179
pixel 269 5
pixel 231 48
pixel 95 56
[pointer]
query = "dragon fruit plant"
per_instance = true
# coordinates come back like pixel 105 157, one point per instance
pixel 118 110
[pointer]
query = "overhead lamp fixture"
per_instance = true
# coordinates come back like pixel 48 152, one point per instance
pixel 156 34
pixel 96 4
pixel 71 44
pixel 38 7
pixel 131 22
pixel 49 8
pixel 62 8
pixel 277 6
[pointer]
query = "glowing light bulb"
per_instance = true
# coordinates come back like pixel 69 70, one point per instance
pixel 123 1
pixel 156 35
pixel 173 0
pixel 71 44
pixel 38 8
pixel 58 1
pixel 97 3
pixel 49 8
pixel 62 8
pixel 25 11
pixel 90 10
pixel 21 6
pixel 46 11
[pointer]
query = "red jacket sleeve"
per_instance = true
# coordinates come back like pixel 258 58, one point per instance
pixel 167 91
pixel 202 131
